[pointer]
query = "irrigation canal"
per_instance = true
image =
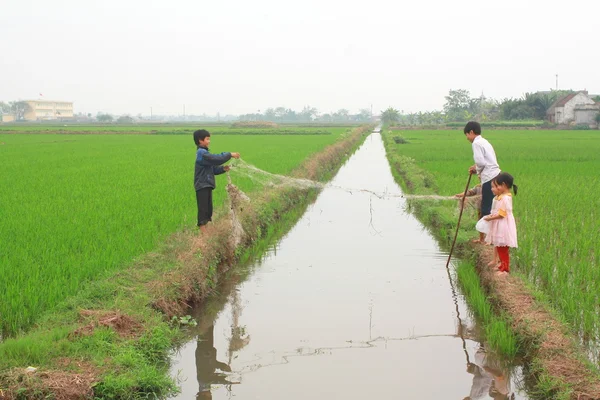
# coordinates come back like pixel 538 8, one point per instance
pixel 354 302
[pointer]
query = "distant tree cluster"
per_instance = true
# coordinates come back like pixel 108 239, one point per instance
pixel 104 118
pixel 16 108
pixel 307 114
pixel 460 107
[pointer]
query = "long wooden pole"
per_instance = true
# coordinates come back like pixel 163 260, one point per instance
pixel 462 207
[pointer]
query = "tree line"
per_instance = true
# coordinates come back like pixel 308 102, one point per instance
pixel 16 108
pixel 307 114
pixel 460 106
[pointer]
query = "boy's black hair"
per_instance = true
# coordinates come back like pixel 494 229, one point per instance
pixel 473 126
pixel 199 135
pixel 506 179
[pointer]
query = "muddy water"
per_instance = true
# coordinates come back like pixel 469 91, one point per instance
pixel 355 302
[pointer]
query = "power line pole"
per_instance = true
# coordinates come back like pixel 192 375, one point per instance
pixel 556 81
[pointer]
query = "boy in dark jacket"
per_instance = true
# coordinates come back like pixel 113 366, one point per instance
pixel 207 166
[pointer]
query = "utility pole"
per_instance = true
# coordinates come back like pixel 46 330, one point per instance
pixel 556 81
pixel 150 113
pixel 184 111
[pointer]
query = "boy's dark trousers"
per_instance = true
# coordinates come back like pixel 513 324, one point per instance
pixel 205 205
pixel 487 197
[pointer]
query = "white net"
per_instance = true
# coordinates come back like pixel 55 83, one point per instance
pixel 268 179
pixel 238 198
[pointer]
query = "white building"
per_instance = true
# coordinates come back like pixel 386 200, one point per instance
pixel 564 110
pixel 39 110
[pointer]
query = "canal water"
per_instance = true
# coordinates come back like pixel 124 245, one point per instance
pixel 354 302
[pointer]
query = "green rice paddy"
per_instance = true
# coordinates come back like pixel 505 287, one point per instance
pixel 75 207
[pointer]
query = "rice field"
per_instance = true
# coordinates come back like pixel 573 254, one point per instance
pixel 75 207
pixel 164 129
pixel 557 207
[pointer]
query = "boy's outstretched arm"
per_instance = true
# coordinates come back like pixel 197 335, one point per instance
pixel 215 159
pixel 220 169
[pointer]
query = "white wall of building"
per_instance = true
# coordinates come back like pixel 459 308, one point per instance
pixel 569 108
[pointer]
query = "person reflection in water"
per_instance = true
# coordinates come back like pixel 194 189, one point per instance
pixel 489 381
pixel 207 364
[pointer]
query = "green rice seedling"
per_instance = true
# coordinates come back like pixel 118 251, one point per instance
pixel 78 207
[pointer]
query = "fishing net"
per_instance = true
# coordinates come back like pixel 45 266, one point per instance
pixel 265 178
pixel 238 199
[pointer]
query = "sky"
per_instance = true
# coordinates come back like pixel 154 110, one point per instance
pixel 240 56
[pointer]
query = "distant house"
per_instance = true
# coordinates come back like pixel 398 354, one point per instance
pixel 7 118
pixel 41 110
pixel 577 108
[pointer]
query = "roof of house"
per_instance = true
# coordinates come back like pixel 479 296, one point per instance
pixel 560 102
pixel 566 99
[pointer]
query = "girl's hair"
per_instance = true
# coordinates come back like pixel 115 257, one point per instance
pixel 504 178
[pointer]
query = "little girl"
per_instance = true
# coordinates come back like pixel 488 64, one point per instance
pixel 503 229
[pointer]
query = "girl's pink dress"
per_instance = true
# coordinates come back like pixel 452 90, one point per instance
pixel 503 231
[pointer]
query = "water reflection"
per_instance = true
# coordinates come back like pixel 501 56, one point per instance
pixel 490 380
pixel 207 365
pixel 209 369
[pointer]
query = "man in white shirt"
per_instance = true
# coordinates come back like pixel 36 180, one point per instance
pixel 486 166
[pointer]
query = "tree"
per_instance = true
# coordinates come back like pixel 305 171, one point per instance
pixel 4 107
pixel 538 103
pixel 390 116
pixel 363 115
pixel 326 118
pixel 290 115
pixel 18 109
pixel 457 102
pixel 104 118
pixel 270 114
pixel 124 119
pixel 341 115
pixel 308 113
pixel 280 113
pixel 542 102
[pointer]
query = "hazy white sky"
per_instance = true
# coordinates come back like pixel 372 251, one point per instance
pixel 242 56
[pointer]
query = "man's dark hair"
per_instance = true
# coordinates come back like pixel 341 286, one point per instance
pixel 473 126
pixel 199 135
